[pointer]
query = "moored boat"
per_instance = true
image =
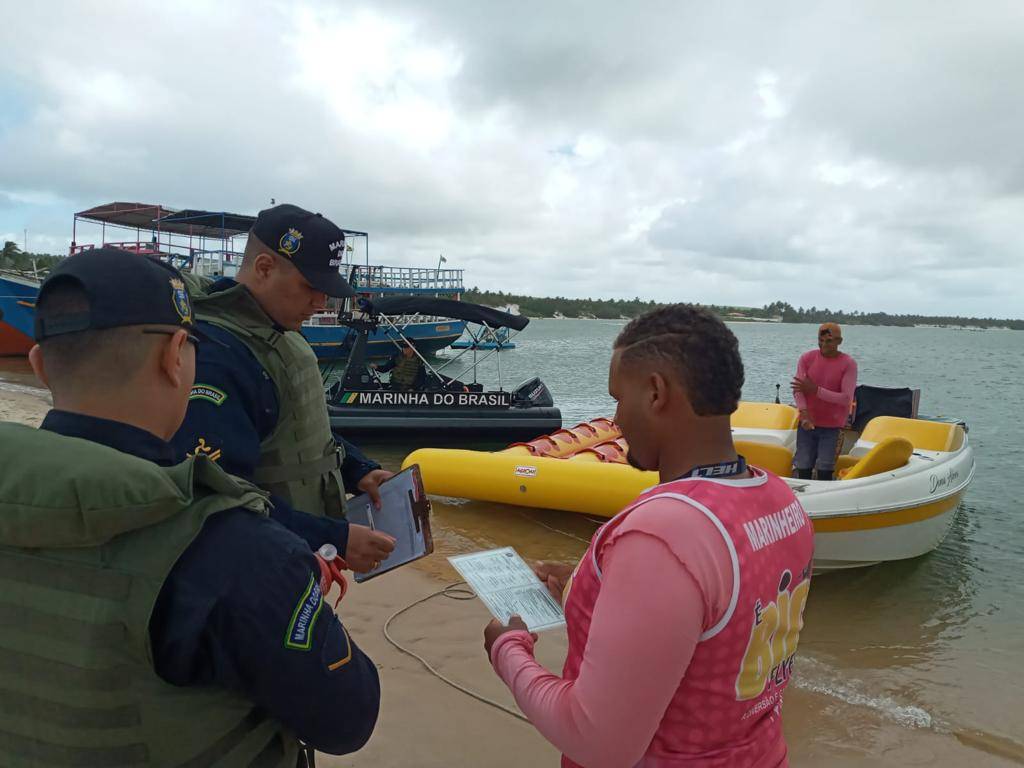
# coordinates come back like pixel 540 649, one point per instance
pixel 208 243
pixel 17 312
pixel 901 482
pixel 440 406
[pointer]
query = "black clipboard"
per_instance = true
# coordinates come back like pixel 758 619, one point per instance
pixel 404 513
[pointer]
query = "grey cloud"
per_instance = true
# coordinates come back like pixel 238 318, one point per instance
pixel 708 129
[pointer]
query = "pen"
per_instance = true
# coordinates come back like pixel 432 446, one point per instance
pixel 369 516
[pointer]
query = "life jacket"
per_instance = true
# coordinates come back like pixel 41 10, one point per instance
pixel 88 535
pixel 403 375
pixel 726 710
pixel 299 460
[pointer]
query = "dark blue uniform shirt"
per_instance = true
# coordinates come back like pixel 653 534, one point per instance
pixel 242 609
pixel 237 412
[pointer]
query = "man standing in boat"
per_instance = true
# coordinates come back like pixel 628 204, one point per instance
pixel 823 390
pixel 684 614
pixel 258 404
pixel 155 614
pixel 407 372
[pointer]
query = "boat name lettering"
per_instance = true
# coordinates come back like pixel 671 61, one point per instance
pixel 525 472
pixel 430 399
pixel 943 481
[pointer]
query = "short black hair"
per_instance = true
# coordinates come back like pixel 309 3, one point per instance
pixel 698 346
pixel 88 358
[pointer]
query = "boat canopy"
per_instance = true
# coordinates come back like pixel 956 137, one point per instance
pixel 190 221
pixel 160 218
pixel 457 310
pixel 205 223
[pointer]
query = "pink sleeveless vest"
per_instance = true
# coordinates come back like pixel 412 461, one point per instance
pixel 726 711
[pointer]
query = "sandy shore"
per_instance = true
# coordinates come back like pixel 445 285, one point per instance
pixel 426 723
pixel 23 404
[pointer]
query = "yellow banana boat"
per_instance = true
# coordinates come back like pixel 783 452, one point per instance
pixel 900 485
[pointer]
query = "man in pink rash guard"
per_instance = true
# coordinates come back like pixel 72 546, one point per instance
pixel 684 614
pixel 823 391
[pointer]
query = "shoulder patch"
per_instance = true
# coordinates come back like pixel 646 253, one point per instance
pixel 208 393
pixel 300 631
pixel 202 449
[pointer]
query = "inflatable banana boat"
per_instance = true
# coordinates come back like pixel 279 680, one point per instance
pixel 899 488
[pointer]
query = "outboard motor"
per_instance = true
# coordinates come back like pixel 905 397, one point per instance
pixel 532 393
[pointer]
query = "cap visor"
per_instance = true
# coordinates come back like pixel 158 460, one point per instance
pixel 330 282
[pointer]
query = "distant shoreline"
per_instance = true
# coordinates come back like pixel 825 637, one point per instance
pixel 777 312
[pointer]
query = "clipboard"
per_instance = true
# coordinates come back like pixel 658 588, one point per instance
pixel 404 513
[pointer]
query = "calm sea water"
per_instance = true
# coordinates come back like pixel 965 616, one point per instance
pixel 912 663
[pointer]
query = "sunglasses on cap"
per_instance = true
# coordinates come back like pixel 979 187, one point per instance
pixel 160 331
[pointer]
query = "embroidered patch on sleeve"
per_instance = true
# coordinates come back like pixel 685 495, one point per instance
pixel 300 631
pixel 209 393
pixel 344 655
pixel 202 449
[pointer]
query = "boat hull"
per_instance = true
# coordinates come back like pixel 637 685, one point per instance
pixel 333 342
pixel 444 424
pixel 17 315
pixel 892 515
pixel 852 547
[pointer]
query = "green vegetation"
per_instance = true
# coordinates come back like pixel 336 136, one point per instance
pixel 13 258
pixel 777 311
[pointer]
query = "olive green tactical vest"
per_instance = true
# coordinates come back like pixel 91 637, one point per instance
pixel 299 459
pixel 403 375
pixel 87 537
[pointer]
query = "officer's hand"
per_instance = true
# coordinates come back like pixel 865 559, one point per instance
pixel 367 547
pixel 496 629
pixel 555 576
pixel 370 484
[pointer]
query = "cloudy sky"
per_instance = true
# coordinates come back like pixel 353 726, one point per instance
pixel 863 155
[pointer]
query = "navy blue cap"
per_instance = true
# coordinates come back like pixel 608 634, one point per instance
pixel 122 289
pixel 310 241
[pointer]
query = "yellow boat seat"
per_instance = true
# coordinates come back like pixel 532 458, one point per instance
pixel 845 461
pixel 923 434
pixel 889 454
pixel 773 458
pixel 764 416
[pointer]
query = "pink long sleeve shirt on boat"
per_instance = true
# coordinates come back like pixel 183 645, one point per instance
pixel 637 650
pixel 836 378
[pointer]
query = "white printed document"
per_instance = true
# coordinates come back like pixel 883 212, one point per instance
pixel 508 586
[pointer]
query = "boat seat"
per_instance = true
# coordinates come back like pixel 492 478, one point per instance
pixel 764 416
pixel 888 454
pixel 923 434
pixel 773 458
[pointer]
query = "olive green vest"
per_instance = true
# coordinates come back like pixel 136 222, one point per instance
pixel 403 375
pixel 299 460
pixel 87 537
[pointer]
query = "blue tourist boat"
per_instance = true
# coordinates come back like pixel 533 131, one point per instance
pixel 17 312
pixel 332 340
pixel 209 244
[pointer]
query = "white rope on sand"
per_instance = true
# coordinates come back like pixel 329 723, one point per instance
pixel 457 592
pixel 454 592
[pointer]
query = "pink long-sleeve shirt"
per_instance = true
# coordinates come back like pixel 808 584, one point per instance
pixel 836 378
pixel 637 649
